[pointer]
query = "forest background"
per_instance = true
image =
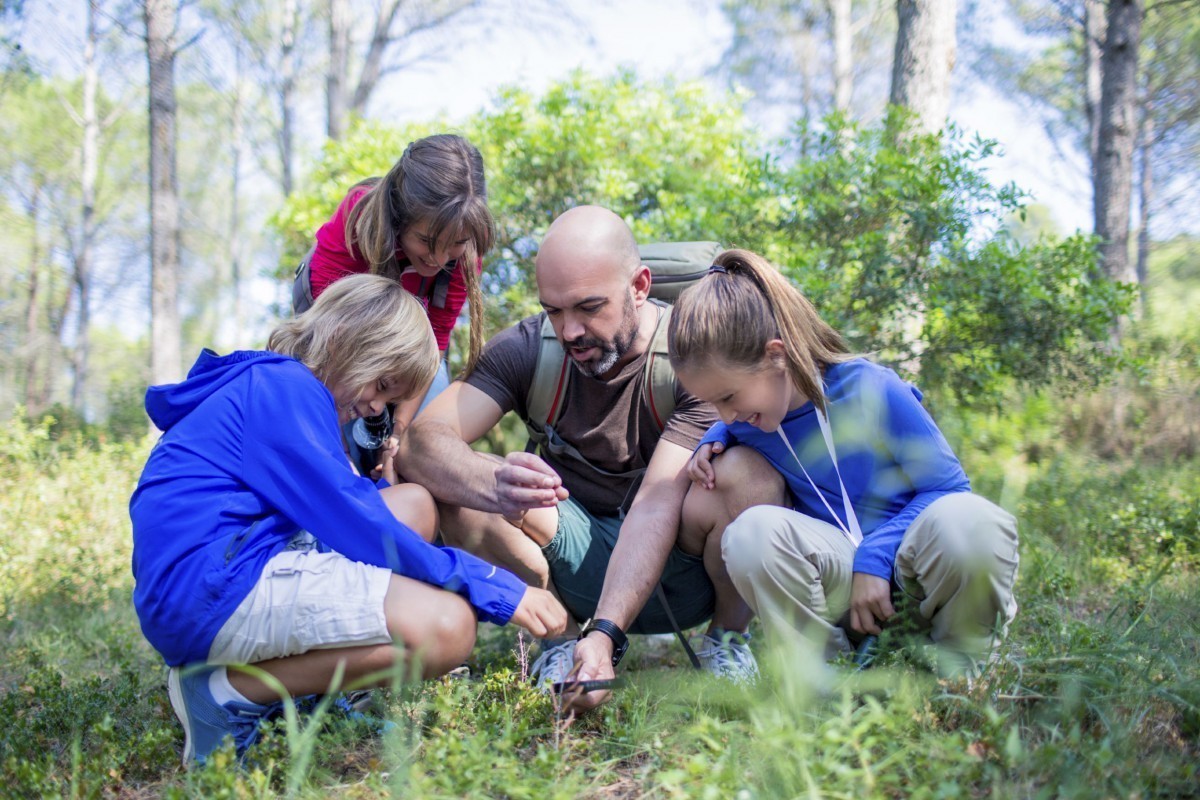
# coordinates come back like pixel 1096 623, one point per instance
pixel 165 166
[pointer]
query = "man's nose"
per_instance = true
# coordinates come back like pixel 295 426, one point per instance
pixel 572 329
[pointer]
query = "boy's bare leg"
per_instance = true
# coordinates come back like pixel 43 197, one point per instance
pixel 439 637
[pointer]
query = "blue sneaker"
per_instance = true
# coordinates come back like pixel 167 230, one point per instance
pixel 347 705
pixel 205 723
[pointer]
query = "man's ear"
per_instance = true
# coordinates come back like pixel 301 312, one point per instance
pixel 641 284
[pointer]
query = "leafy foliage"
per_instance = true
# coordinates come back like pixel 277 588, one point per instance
pixel 890 235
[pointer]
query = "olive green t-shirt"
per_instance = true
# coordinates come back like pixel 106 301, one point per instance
pixel 607 421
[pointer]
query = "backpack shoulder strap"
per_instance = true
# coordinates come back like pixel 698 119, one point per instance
pixel 550 377
pixel 660 378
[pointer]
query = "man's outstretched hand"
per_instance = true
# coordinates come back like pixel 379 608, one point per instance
pixel 540 613
pixel 524 481
pixel 593 661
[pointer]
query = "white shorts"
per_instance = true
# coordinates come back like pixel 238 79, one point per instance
pixel 305 600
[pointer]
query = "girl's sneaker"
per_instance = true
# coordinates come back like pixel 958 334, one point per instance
pixel 726 654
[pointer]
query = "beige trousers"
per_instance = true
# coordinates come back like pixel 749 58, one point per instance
pixel 958 561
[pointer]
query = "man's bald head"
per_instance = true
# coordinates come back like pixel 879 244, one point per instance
pixel 590 238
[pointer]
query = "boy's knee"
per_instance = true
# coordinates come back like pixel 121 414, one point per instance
pixel 450 636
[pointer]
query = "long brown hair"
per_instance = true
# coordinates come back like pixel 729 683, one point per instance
pixel 741 305
pixel 438 180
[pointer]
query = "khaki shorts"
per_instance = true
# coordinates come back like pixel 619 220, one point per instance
pixel 305 600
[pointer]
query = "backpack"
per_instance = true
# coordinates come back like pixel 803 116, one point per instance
pixel 674 266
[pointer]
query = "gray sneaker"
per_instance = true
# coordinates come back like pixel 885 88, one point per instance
pixel 726 654
pixel 554 665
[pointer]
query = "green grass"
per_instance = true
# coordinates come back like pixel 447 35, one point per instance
pixel 1098 693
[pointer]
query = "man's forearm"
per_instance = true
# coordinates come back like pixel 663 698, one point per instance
pixel 636 565
pixel 432 455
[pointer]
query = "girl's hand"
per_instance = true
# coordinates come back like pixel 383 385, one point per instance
pixel 540 613
pixel 870 602
pixel 699 467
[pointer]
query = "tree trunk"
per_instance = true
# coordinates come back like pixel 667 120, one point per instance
pixel 165 349
pixel 233 238
pixel 843 73
pixel 372 69
pixel 87 223
pixel 1145 200
pixel 925 52
pixel 1113 177
pixel 339 62
pixel 1093 49
pixel 32 334
pixel 289 67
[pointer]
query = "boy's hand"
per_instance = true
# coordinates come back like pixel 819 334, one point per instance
pixel 540 613
pixel 386 468
pixel 699 467
pixel 870 602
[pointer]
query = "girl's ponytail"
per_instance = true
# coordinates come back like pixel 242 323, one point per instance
pixel 740 306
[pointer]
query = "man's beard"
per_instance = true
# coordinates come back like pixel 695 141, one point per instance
pixel 610 352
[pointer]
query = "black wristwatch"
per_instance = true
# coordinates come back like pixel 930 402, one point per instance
pixel 613 631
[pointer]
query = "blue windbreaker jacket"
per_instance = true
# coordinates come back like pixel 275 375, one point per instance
pixel 250 455
pixel 892 456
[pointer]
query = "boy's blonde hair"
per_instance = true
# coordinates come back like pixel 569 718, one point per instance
pixel 741 305
pixel 362 329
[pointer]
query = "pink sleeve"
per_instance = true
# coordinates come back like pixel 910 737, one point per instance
pixel 332 259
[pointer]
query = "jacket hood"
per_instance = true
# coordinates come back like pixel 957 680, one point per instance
pixel 168 403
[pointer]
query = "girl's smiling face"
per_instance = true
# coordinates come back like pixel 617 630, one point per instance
pixel 428 257
pixel 761 395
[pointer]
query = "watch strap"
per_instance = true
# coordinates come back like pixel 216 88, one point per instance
pixel 613 631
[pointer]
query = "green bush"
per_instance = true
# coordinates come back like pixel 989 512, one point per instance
pixel 873 226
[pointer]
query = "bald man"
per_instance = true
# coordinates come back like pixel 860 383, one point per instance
pixel 590 529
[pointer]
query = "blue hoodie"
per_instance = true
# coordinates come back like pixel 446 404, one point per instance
pixel 891 455
pixel 252 454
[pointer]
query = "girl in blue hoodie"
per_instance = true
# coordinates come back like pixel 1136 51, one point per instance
pixel 881 504
pixel 256 542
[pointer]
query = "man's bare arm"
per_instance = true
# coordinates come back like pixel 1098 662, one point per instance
pixel 647 536
pixel 435 452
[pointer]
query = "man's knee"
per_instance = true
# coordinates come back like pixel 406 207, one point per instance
pixel 743 479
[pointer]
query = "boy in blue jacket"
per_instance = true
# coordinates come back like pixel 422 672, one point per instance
pixel 256 542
